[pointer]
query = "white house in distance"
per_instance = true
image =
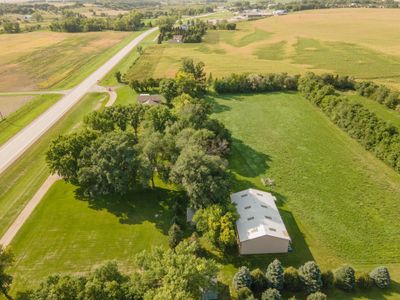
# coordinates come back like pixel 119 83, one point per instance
pixel 260 226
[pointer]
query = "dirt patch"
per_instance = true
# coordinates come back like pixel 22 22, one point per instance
pixel 9 104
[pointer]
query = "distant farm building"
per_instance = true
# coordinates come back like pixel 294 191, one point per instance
pixel 280 12
pixel 255 14
pixel 260 226
pixel 177 38
pixel 148 99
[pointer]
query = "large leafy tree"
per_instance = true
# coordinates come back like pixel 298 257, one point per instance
pixel 169 89
pixel 64 152
pixel 158 117
pixel 173 274
pixel 109 164
pixel 6 259
pixel 217 225
pixel 202 176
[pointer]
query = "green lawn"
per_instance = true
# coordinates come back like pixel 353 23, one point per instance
pixel 67 234
pixel 339 202
pixel 24 115
pixel 21 181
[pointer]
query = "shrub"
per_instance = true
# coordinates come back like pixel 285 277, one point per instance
pixel 244 293
pixel 274 275
pixel 364 281
pixel 291 279
pixel 242 278
pixel 259 282
pixel 381 277
pixel 345 278
pixel 317 296
pixel 327 279
pixel 271 294
pixel 175 235
pixel 310 276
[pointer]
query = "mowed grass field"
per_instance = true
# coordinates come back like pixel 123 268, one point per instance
pixel 340 203
pixel 343 200
pixel 22 180
pixel 66 234
pixel 43 60
pixel 358 42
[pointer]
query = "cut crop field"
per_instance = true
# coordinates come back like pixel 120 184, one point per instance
pixel 358 42
pixel 24 110
pixel 42 60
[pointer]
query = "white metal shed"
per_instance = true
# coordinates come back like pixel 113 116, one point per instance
pixel 260 226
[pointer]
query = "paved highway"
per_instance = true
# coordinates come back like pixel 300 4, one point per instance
pixel 19 143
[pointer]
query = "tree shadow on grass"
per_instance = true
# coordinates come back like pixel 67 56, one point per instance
pixel 139 206
pixel 246 161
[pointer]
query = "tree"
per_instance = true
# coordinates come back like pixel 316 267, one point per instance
pixel 11 27
pixel 310 276
pixel 381 277
pixel 364 281
pixel 217 225
pixel 317 296
pixel 173 274
pixel 118 76
pixel 275 275
pixel 202 176
pixel 271 294
pixel 151 153
pixel 259 282
pixel 109 164
pixel 169 89
pixel 175 235
pixel 136 114
pixel 158 117
pixel 244 293
pixel 6 260
pixel 186 84
pixel 345 278
pixel 242 279
pixel 292 280
pixel 64 153
pixel 327 279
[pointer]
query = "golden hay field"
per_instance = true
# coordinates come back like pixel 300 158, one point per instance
pixel 359 42
pixel 41 60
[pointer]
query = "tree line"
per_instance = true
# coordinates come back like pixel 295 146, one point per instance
pixel 159 273
pixel 375 134
pixel 72 22
pixel 191 31
pixel 308 278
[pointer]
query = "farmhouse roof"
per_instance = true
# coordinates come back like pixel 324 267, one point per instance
pixel 259 215
pixel 150 99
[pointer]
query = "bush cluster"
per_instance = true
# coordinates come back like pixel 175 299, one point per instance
pixel 252 83
pixel 307 278
pixel 379 93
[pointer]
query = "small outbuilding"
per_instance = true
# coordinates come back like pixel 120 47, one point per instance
pixel 260 226
pixel 148 99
